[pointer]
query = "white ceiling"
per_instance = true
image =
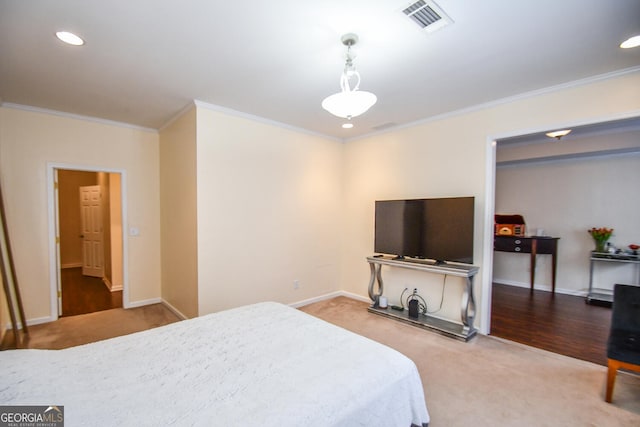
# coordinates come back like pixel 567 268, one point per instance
pixel 145 60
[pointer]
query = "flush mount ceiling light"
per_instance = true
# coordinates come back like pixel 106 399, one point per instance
pixel 558 134
pixel 69 38
pixel 347 125
pixel 631 42
pixel 349 102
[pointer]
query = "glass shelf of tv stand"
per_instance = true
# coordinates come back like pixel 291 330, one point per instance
pixel 462 331
pixel 435 324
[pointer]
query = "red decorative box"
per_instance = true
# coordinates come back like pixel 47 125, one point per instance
pixel 509 225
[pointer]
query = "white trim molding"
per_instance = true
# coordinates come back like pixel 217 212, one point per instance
pixel 259 119
pixel 142 303
pixel 329 296
pixel 173 309
pixel 54 262
pixel 72 265
pixel 539 287
pixel 76 116
pixel 110 286
pixel 506 100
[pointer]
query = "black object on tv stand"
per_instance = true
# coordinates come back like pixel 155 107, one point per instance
pixel 464 331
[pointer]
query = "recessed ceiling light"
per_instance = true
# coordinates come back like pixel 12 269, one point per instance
pixel 347 125
pixel 69 38
pixel 558 133
pixel 631 42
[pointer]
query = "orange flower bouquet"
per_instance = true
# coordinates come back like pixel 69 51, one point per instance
pixel 600 236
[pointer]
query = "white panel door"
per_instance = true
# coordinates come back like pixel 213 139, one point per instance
pixel 92 233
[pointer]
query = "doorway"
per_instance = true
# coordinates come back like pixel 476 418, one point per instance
pixel 553 184
pixel 90 249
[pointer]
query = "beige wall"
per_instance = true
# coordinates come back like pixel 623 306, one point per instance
pixel 28 142
pixel 105 188
pixel 178 214
pixel 115 204
pixel 452 157
pixel 271 205
pixel 269 212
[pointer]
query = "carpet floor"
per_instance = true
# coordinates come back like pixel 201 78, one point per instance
pixel 484 382
pixel 85 328
pixel 491 382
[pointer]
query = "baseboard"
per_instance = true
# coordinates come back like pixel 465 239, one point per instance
pixel 142 303
pixel 539 287
pixel 33 322
pixel 355 297
pixel 40 320
pixel 328 296
pixel 110 285
pixel 174 310
pixel 71 265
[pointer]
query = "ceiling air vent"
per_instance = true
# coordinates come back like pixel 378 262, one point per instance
pixel 428 15
pixel 384 126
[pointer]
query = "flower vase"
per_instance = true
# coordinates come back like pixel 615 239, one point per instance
pixel 601 246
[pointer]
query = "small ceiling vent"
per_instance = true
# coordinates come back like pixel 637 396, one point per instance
pixel 384 126
pixel 428 15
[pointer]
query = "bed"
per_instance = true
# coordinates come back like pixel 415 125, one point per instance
pixel 265 364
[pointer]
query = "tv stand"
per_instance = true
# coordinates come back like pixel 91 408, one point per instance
pixel 464 331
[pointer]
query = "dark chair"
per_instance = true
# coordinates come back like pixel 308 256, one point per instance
pixel 623 347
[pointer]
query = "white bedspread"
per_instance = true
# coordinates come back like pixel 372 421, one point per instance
pixel 265 364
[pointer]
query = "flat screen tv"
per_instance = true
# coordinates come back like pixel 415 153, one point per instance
pixel 438 229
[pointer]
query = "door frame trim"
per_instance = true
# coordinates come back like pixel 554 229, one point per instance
pixel 53 222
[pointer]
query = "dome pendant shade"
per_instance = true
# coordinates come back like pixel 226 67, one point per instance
pixel 349 104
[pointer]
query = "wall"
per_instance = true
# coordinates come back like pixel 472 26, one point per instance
pixel 178 214
pixel 69 214
pixel 452 156
pixel 115 204
pixel 565 198
pixel 275 205
pixel 269 212
pixel 29 140
pixel 105 188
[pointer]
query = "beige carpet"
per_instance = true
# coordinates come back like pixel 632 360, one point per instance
pixel 485 382
pixel 76 330
pixel 490 382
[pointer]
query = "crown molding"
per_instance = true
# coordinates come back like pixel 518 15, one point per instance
pixel 259 119
pixel 507 100
pixel 621 152
pixel 177 115
pixel 40 110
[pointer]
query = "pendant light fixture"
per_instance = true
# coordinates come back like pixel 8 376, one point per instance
pixel 558 134
pixel 349 102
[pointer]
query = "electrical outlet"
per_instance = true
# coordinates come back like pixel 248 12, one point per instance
pixel 296 284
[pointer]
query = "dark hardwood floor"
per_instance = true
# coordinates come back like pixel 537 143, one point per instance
pixel 85 294
pixel 563 324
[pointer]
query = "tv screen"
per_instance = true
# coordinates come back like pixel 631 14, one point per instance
pixel 439 229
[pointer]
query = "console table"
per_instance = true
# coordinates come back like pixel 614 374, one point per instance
pixel 533 245
pixel 467 305
pixel 605 296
